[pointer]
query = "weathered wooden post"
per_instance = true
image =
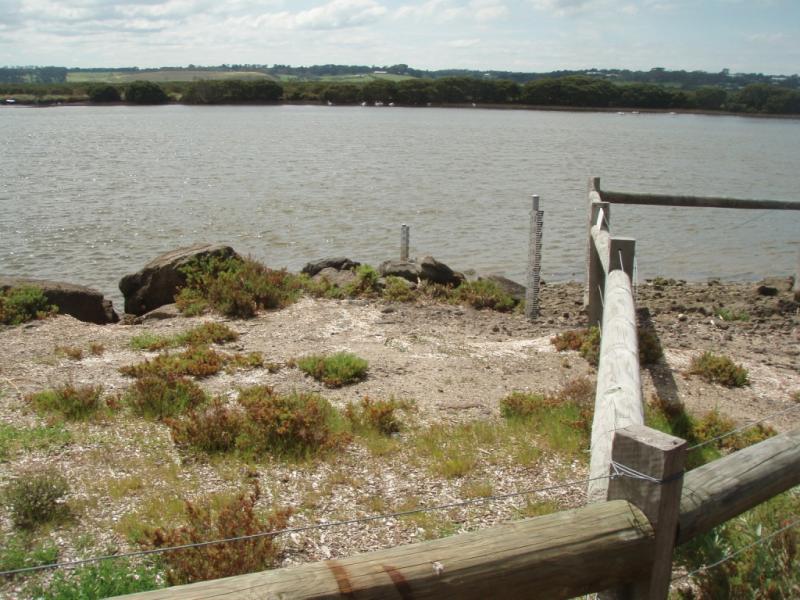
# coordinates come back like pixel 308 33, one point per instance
pixel 405 235
pixel 651 464
pixel 598 264
pixel 593 196
pixel 534 262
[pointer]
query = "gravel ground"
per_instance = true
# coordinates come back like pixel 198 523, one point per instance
pixel 453 362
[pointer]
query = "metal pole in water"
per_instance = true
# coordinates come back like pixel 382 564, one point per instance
pixel 534 262
pixel 404 237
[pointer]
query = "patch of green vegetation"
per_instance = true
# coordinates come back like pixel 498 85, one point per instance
pixel 563 423
pixel 207 333
pixel 36 497
pixel 397 289
pixel 75 403
pixel 727 314
pixel 25 303
pixel 21 550
pixel 102 580
pixel 334 370
pixel 535 508
pixel 763 570
pixel 451 451
pixel 232 517
pixel 295 426
pixel 585 341
pixel 476 489
pixel 673 419
pixel 156 397
pixel 197 361
pixel 484 294
pixel 719 369
pixel 24 439
pixel 235 287
pixel 377 416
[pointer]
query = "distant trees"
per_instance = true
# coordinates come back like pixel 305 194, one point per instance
pixel 232 91
pixel 104 92
pixel 145 92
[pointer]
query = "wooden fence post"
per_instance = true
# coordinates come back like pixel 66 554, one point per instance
pixel 796 286
pixel 593 195
pixel 595 274
pixel 652 464
pixel 622 252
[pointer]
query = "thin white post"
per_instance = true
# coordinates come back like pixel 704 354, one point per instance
pixel 796 286
pixel 404 238
pixel 534 262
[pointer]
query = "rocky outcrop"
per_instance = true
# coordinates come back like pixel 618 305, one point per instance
pixel 81 302
pixel 338 263
pixel 158 282
pixel 336 277
pixel 437 272
pixel 427 269
pixel 399 268
pixel 510 287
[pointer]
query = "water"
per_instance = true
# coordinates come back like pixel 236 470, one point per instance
pixel 88 194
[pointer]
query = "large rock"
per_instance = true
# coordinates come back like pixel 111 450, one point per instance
pixel 398 268
pixel 510 287
pixel 158 282
pixel 336 277
pixel 339 263
pixel 81 302
pixel 437 272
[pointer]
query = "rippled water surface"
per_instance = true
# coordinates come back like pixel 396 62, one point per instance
pixel 88 194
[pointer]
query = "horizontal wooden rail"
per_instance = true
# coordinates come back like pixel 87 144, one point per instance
pixel 602 243
pixel 695 201
pixel 618 398
pixel 562 555
pixel 556 556
pixel 727 487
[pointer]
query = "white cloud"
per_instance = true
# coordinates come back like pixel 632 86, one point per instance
pixel 463 43
pixel 562 8
pixel 447 10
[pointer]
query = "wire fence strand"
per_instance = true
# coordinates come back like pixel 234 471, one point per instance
pixel 358 520
pixel 726 558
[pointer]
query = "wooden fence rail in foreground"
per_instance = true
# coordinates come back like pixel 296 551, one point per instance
pixel 561 555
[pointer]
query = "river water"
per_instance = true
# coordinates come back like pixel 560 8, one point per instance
pixel 88 194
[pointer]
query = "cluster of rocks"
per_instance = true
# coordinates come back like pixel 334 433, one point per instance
pixel 156 284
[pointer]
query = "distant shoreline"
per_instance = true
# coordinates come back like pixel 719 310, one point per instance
pixel 519 107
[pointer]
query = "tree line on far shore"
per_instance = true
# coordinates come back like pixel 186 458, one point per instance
pixel 569 92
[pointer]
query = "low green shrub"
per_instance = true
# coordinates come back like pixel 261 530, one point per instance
pixel 296 425
pixel 102 580
pixel 569 340
pixel 72 352
pixel 374 415
pixel 234 518
pixel 484 294
pixel 36 497
pixel 650 350
pixel 366 283
pixel 159 397
pixel 202 335
pixel 197 361
pixel 211 429
pixel 75 403
pixel 334 370
pixel 24 303
pixel 719 369
pixel 397 289
pixel 236 287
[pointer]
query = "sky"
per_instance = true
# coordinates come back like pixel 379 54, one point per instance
pixel 515 35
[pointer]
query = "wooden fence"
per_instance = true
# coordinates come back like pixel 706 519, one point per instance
pixel 641 502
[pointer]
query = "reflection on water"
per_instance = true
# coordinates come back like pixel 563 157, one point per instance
pixel 88 194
